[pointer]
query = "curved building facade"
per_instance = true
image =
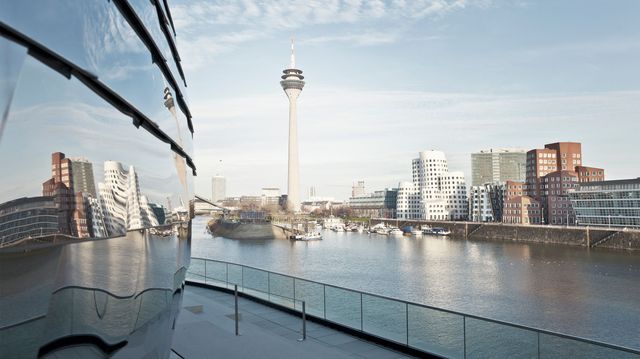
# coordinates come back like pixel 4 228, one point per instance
pixel 87 266
pixel 435 193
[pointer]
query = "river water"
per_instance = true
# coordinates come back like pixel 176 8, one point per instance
pixel 591 293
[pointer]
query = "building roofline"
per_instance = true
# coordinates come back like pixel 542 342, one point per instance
pixel 611 182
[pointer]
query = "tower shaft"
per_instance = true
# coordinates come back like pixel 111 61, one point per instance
pixel 293 178
pixel 292 84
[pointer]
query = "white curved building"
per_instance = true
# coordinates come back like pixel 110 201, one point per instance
pixel 123 206
pixel 435 193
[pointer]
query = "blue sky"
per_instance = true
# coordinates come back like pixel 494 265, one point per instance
pixel 387 79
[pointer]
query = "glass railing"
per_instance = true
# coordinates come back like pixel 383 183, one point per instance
pixel 428 329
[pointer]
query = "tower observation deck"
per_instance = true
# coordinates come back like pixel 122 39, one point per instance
pixel 292 84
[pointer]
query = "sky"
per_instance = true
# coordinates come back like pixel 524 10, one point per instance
pixel 387 79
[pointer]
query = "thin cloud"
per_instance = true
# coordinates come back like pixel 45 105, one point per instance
pixel 208 29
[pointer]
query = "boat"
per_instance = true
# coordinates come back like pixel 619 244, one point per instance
pixel 309 236
pixel 417 232
pixel 382 230
pixel 395 231
pixel 436 231
pixel 441 231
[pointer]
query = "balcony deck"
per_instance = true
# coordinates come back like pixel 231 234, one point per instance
pixel 205 329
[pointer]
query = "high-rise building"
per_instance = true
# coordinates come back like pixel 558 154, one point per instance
pixel 292 84
pixel 551 172
pixel 357 189
pixel 435 193
pixel 218 188
pixel 312 193
pixel 557 186
pixel 83 180
pixel 497 166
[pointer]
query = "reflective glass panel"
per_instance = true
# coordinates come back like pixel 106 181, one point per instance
pixel 555 347
pixel 385 318
pixel 343 307
pixel 216 273
pixel 486 339
pixel 436 331
pixel 281 289
pixel 313 295
pixel 256 282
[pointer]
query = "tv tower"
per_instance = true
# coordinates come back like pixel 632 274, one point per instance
pixel 292 85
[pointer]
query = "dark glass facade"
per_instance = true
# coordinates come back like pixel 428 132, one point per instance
pixel 96 190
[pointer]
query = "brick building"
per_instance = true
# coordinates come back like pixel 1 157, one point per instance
pixel 550 172
pixel 522 210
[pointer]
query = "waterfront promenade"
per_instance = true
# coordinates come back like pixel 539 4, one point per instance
pixel 206 328
pixel 590 293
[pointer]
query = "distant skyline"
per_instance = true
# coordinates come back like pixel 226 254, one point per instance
pixel 388 79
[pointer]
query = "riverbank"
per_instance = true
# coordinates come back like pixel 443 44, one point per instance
pixel 575 236
pixel 237 230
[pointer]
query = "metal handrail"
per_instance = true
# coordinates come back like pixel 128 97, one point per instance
pixel 464 315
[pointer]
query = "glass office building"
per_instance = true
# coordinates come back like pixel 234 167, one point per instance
pixel 608 203
pixel 89 266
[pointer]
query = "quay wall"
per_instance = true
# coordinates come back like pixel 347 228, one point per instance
pixel 235 230
pixel 575 236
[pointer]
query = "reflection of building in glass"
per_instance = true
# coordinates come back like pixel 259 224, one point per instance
pixel 123 205
pixel 159 211
pixel 60 187
pixel 83 181
pixel 608 203
pixel 98 222
pixel 27 217
pixel 218 188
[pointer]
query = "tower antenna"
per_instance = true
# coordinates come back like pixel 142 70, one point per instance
pixel 293 54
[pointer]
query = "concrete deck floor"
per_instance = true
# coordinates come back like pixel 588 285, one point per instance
pixel 205 329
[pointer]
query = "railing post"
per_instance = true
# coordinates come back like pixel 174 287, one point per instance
pixel 361 314
pixel 464 335
pixel 538 345
pixel 294 293
pixel 226 284
pixel 324 301
pixel 235 291
pixel 407 320
pixel 205 271
pixel 304 321
pixel 269 285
